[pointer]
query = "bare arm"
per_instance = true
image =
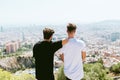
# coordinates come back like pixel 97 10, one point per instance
pixel 62 57
pixel 83 55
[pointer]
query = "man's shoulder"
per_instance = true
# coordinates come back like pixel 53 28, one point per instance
pixel 38 43
pixel 54 42
pixel 80 41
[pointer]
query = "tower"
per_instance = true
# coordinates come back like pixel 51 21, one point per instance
pixel 23 36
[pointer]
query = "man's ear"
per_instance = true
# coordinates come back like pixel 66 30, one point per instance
pixel 68 32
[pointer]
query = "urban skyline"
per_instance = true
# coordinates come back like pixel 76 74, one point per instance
pixel 102 42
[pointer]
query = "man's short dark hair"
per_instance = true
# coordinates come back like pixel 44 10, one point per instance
pixel 47 33
pixel 71 27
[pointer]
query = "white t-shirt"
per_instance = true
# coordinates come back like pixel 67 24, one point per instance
pixel 73 66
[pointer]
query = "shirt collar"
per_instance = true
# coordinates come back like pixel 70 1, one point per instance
pixel 71 39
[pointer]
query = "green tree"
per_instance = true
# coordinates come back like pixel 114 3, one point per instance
pixel 95 72
pixel 92 71
pixel 100 61
pixel 4 75
pixel 115 68
pixel 60 75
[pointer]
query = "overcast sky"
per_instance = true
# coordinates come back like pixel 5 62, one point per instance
pixel 58 11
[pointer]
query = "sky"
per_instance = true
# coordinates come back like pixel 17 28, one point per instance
pixel 58 11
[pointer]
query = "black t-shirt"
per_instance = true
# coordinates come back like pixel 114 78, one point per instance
pixel 43 52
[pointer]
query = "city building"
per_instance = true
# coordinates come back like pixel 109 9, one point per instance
pixel 12 46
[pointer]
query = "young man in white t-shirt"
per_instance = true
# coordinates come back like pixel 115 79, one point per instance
pixel 71 54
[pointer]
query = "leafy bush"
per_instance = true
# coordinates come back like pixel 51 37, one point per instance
pixel 92 71
pixel 95 71
pixel 4 75
pixel 60 74
pixel 100 61
pixel 115 68
pixel 24 77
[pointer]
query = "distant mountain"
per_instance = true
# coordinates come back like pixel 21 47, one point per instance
pixel 110 22
pixel 103 25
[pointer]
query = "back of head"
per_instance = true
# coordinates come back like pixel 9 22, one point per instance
pixel 71 27
pixel 47 33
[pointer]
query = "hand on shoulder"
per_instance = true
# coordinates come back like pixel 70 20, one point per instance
pixel 65 41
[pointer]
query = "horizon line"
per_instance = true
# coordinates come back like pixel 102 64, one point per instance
pixel 58 23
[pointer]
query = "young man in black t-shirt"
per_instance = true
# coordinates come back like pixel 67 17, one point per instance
pixel 43 52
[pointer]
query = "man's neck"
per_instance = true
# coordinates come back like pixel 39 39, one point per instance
pixel 70 37
pixel 47 40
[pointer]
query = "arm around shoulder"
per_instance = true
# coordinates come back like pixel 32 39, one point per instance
pixel 64 41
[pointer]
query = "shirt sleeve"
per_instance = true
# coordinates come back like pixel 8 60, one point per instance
pixel 57 45
pixel 34 50
pixel 83 45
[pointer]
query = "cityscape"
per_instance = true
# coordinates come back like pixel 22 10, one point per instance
pixel 102 41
